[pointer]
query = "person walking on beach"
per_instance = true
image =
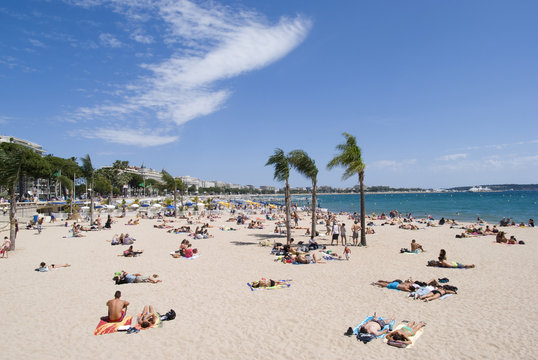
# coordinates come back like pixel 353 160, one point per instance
pixel 343 237
pixel 117 308
pixel 336 232
pixel 355 228
pixel 328 225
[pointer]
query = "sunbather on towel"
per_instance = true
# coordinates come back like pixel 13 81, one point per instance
pixel 266 283
pixel 307 258
pixel 117 308
pixel 375 326
pixel 436 294
pixel 148 317
pixel 416 246
pixel 126 278
pixel 403 334
pixel 132 253
pixel 406 285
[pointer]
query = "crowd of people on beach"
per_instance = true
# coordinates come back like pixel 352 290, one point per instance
pixel 311 252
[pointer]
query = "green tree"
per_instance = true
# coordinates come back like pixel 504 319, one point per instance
pixel 350 157
pixel 282 173
pixel 172 184
pixel 102 185
pixel 89 173
pixel 306 166
pixel 16 162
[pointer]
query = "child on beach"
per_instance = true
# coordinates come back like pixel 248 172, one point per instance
pixel 347 252
pixel 5 247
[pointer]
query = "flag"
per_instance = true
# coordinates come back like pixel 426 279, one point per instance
pixel 80 181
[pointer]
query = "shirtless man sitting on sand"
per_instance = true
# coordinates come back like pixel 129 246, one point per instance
pixel 416 246
pixel 116 308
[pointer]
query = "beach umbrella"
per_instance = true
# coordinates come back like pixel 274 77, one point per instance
pixel 134 206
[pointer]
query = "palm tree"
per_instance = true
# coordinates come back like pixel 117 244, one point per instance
pixel 350 157
pixel 305 165
pixel 172 184
pixel 89 172
pixel 10 169
pixel 282 173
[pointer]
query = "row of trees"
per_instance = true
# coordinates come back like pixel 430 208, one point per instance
pixel 19 164
pixel 349 157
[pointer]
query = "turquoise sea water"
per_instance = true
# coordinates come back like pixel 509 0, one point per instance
pixel 463 206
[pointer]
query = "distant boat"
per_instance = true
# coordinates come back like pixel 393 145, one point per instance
pixel 479 189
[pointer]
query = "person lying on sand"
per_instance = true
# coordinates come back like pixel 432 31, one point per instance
pixel 263 283
pixel 444 263
pixel 397 284
pixel 117 308
pixel 123 277
pixel 131 253
pixel 43 267
pixel 148 317
pixel 307 259
pixel 437 293
pixel 403 334
pixel 374 326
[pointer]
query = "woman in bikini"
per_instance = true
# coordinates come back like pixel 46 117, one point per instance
pixel 436 294
pixel 147 318
pixel 403 334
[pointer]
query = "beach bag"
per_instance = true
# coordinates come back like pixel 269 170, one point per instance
pixel 365 338
pixel 396 344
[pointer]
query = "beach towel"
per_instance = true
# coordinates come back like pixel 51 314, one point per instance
pixel 412 338
pixel 281 286
pixel 158 323
pixel 105 327
pixel 368 318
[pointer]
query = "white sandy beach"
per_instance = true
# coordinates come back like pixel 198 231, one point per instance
pixel 53 315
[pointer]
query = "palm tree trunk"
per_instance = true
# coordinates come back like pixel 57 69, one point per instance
pixel 12 212
pixel 288 210
pixel 363 215
pixel 91 204
pixel 314 205
pixel 175 201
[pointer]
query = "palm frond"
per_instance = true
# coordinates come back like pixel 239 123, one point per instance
pixel 281 164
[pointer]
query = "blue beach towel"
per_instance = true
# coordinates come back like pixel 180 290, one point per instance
pixel 368 318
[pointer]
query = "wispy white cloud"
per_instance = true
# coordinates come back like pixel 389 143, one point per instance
pixel 109 40
pixel 396 165
pixel 4 119
pixel 506 162
pixel 501 146
pixel 452 157
pixel 142 38
pixel 36 43
pixel 141 138
pixel 210 43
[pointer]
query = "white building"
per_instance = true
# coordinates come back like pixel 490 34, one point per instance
pixel 30 145
pixel 190 181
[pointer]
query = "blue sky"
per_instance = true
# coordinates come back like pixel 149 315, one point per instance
pixel 438 93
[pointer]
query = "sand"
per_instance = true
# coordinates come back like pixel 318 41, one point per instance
pixel 53 315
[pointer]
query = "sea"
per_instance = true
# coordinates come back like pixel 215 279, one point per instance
pixel 464 206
